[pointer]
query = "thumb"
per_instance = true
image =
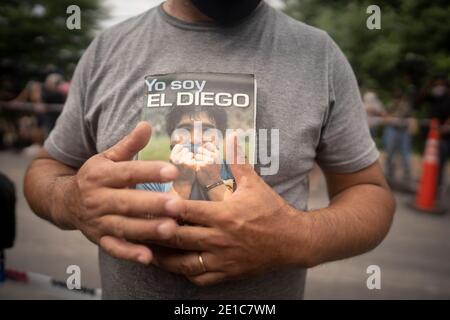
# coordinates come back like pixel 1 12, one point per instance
pixel 131 144
pixel 238 162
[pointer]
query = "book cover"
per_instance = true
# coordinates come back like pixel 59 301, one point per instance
pixel 201 122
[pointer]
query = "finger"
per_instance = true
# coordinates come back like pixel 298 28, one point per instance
pixel 188 156
pixel 187 264
pixel 213 153
pixel 204 159
pixel 183 151
pixel 122 249
pixel 181 156
pixel 191 163
pixel 134 203
pixel 203 164
pixel 138 229
pixel 210 146
pixel 188 159
pixel 175 155
pixel 192 238
pixel 205 152
pixel 177 148
pixel 129 173
pixel 208 278
pixel 206 213
pixel 239 164
pixel 126 148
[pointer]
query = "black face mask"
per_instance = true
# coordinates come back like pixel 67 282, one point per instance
pixel 226 11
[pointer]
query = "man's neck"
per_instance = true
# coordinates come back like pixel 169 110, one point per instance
pixel 184 10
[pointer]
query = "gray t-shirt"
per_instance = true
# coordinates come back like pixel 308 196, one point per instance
pixel 306 89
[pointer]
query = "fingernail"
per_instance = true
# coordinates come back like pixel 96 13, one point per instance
pixel 166 229
pixel 168 172
pixel 143 259
pixel 173 207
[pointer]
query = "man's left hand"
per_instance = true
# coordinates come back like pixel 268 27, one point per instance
pixel 252 232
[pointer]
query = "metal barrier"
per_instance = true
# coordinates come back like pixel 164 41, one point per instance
pixel 30 106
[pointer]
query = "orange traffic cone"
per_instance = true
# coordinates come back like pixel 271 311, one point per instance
pixel 427 192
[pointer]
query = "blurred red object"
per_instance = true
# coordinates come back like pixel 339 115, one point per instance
pixel 427 191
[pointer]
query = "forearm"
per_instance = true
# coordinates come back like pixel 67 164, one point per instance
pixel 355 222
pixel 48 187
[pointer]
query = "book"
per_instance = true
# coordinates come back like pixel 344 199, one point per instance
pixel 202 123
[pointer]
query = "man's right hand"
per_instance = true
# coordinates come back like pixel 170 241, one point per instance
pixel 116 218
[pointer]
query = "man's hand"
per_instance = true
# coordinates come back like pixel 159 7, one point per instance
pixel 255 230
pixel 96 199
pixel 208 164
pixel 183 158
pixel 244 235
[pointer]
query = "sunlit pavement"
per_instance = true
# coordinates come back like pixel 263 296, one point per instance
pixel 414 258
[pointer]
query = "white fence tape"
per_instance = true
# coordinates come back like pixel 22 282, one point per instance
pixel 52 286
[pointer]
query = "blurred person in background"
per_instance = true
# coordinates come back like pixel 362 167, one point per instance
pixel 437 96
pixel 397 137
pixel 6 89
pixel 52 92
pixel 43 97
pixel 27 129
pixel 374 109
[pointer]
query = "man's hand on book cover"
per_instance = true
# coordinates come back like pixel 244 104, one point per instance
pixel 208 160
pixel 184 160
pixel 249 233
pixel 98 201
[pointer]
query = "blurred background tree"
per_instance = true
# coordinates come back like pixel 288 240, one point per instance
pixel 34 39
pixel 413 43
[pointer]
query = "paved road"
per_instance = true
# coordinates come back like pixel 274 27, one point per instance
pixel 414 258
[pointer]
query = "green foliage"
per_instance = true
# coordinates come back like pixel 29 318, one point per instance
pixel 158 148
pixel 413 40
pixel 33 34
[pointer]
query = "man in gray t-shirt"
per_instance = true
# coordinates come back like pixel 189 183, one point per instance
pixel 258 243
